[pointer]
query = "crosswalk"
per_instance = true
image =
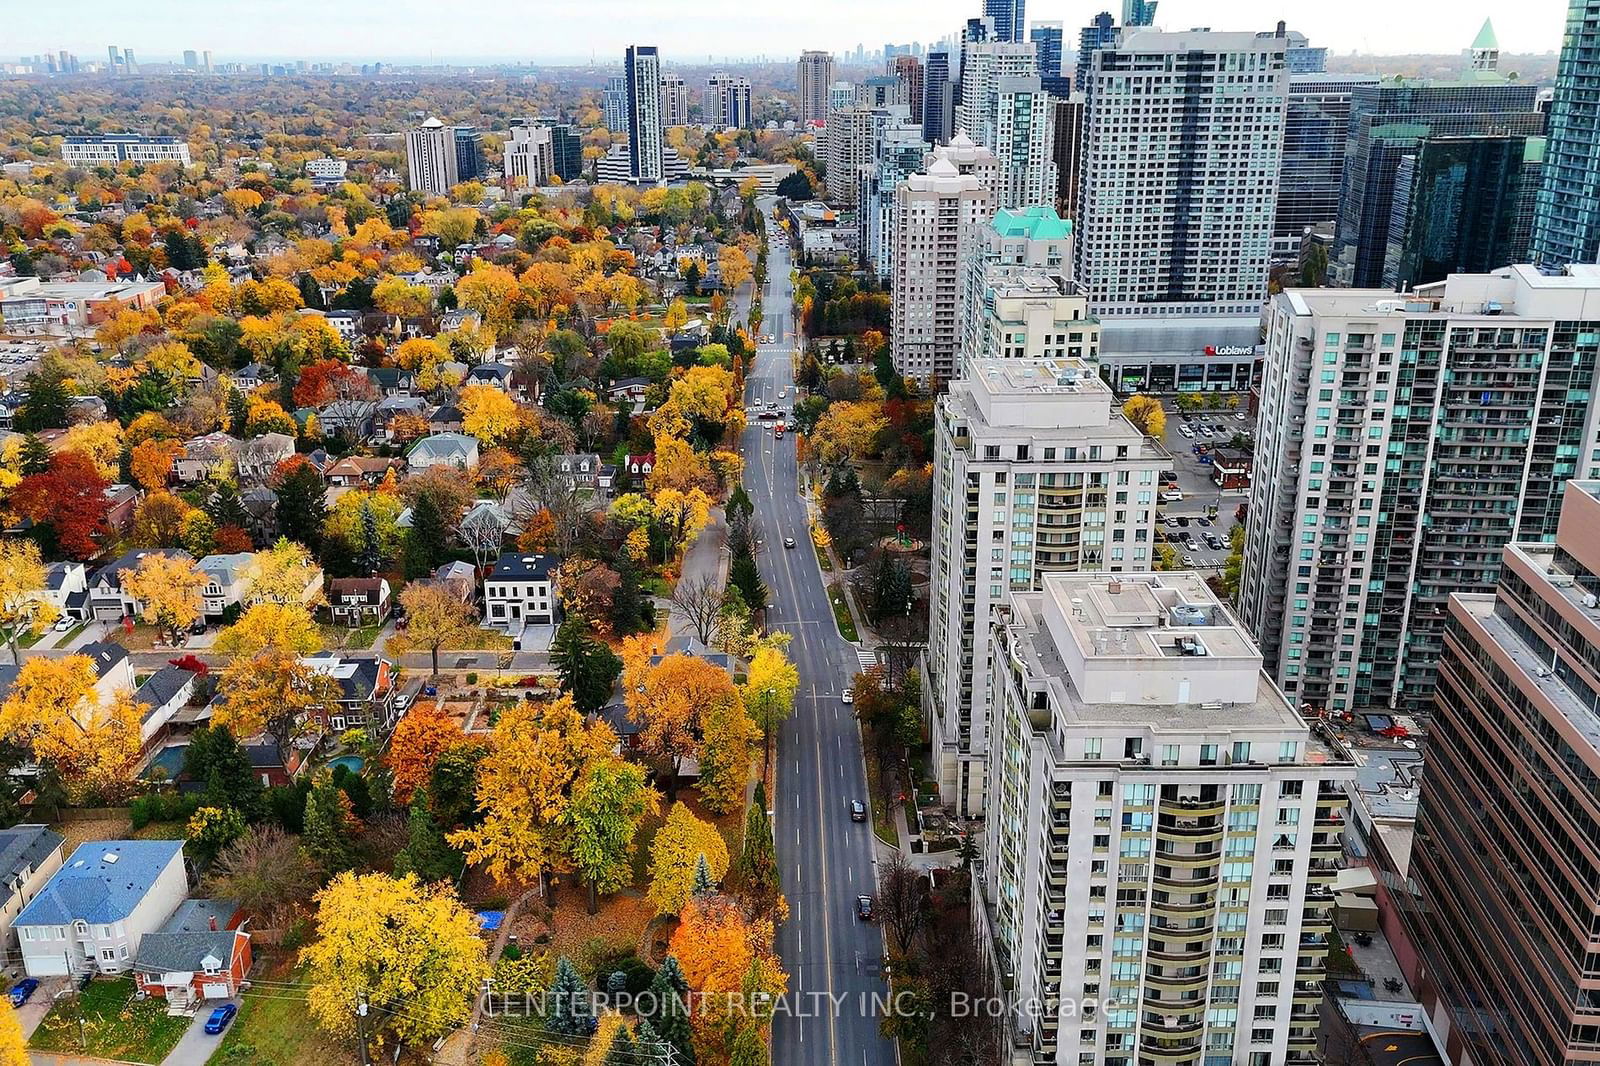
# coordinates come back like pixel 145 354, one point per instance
pixel 867 657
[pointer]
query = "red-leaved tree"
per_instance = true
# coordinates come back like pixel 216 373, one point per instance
pixel 70 498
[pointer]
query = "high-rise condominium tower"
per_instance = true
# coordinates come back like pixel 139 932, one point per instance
pixel 645 140
pixel 1403 442
pixel 431 158
pixel 1566 225
pixel 814 74
pixel 1182 141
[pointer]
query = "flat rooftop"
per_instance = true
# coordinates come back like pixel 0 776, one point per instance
pixel 1147 617
pixel 1038 378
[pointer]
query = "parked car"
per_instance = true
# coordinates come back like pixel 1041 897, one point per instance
pixel 402 701
pixel 1202 521
pixel 63 624
pixel 220 1018
pixel 864 908
pixel 1172 496
pixel 858 811
pixel 1188 560
pixel 1186 431
pixel 1183 520
pixel 1213 542
pixel 23 989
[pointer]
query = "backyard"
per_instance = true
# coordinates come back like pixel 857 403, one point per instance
pixel 272 1029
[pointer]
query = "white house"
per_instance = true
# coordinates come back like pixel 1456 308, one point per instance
pixel 443 449
pixel 29 856
pixel 66 586
pixel 92 914
pixel 163 694
pixel 107 600
pixel 520 591
pixel 225 580
pixel 202 455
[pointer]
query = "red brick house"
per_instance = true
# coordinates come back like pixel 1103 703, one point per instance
pixel 1231 469
pixel 200 953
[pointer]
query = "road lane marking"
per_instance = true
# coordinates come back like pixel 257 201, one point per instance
pixel 827 930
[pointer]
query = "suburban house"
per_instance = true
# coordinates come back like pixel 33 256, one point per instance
pixel 581 471
pixel 93 913
pixel 520 591
pixel 366 691
pixel 362 471
pixel 455 450
pixel 496 374
pixel 392 380
pixel 638 467
pixel 446 418
pixel 163 694
pixel 252 376
pixel 29 855
pixel 113 670
pixel 66 586
pixel 107 601
pixel 346 323
pixel 631 391
pixel 121 500
pixel 460 578
pixel 358 601
pixel 257 459
pixel 199 953
pixel 351 419
pixel 226 581
pixel 201 456
pixel 391 408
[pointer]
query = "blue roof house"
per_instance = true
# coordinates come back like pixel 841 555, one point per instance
pixel 92 914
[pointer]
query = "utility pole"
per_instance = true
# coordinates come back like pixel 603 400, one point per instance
pixel 361 1030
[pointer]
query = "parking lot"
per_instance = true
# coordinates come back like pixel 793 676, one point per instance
pixel 1205 508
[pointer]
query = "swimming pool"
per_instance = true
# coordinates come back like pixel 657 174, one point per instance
pixel 353 763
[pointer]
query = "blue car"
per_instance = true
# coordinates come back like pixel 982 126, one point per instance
pixel 220 1018
pixel 22 990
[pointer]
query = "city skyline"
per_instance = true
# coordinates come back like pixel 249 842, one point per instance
pixel 714 29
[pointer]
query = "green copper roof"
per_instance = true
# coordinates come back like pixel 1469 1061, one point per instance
pixel 1486 41
pixel 1038 223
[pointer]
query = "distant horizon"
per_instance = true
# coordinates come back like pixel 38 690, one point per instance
pixel 597 31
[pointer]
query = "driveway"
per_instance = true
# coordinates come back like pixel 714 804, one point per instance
pixel 196 1047
pixel 31 1013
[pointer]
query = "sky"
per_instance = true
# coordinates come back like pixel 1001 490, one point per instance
pixel 693 30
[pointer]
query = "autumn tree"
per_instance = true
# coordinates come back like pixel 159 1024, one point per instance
pixel 420 738
pixel 265 871
pixel 435 619
pixel 726 736
pixel 426 853
pixel 699 599
pixel 272 692
pixel 729 960
pixel 269 626
pixel 151 462
pixel 69 499
pixel 524 785
pixel 609 799
pixel 168 590
pixel 159 520
pixel 1147 415
pixel 408 949
pixel 769 693
pixel 488 413
pixel 330 824
pixel 13 1045
pixel 676 851
pixel 55 710
pixel 25 610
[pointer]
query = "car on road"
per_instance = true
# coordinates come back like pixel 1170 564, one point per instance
pixel 848 696
pixel 788 542
pixel 858 811
pixel 22 990
pixel 220 1018
pixel 864 908
pixel 1172 496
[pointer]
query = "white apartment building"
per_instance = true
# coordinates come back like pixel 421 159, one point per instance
pixel 1163 832
pixel 987 63
pixel 813 75
pixel 674 100
pixel 848 143
pixel 727 101
pixel 642 68
pixel 1024 142
pixel 529 155
pixel 937 215
pixel 1403 442
pixel 109 149
pixel 1182 138
pixel 1018 299
pixel 326 170
pixel 614 104
pixel 841 94
pixel 1036 471
pixel 969 157
pixel 431 157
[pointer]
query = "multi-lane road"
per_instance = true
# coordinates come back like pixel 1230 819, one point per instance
pixel 833 958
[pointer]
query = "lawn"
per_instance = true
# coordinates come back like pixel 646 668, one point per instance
pixel 114 1025
pixel 841 614
pixel 882 824
pixel 822 557
pixel 346 637
pixel 272 1029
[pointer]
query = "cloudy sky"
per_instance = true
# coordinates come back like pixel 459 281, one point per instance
pixel 410 30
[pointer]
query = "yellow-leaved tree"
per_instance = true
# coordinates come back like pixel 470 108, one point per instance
pixel 675 854
pixel 770 685
pixel 408 949
pixel 671 702
pixel 536 753
pixel 274 626
pixel 24 609
pixel 56 710
pixel 168 590
pixel 1147 415
pixel 13 1046
pixel 283 573
pixel 488 413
